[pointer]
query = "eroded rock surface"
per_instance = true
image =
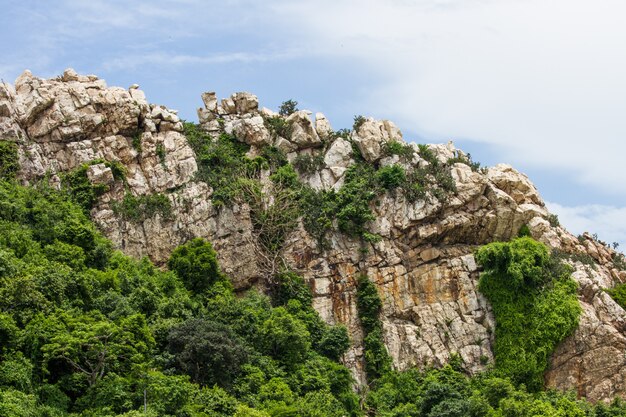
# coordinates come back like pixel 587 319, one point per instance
pixel 423 264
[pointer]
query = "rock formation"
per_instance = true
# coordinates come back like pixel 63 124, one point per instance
pixel 423 263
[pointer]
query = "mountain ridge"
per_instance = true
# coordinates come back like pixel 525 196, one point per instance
pixel 415 243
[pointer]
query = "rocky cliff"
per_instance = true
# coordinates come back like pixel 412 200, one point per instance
pixel 421 259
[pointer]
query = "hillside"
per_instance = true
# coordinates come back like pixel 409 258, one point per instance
pixel 359 214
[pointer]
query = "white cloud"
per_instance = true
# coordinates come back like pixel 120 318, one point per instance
pixel 543 80
pixel 166 59
pixel 607 221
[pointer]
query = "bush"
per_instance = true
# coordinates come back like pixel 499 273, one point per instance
pixel 358 122
pixel 9 161
pixel 369 306
pixel 207 351
pixel 308 164
pixel 288 107
pixel 285 338
pixel 391 176
pixel 535 306
pixel 81 190
pixel 138 209
pixel 394 147
pixel 618 293
pixel 278 126
pixel 195 263
pixel 334 342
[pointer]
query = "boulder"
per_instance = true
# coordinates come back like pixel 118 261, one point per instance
pixel 372 135
pixel 303 133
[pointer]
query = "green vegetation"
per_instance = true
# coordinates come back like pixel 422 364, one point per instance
pixel 553 219
pixel 278 126
pixel 160 152
pixel 619 260
pixel 535 306
pixel 309 164
pixel 80 189
pixel 9 161
pixel 369 305
pixel 618 293
pixel 398 148
pixel 77 184
pixel 358 122
pixel 288 107
pixel 467 160
pixel 234 177
pixel 136 142
pixel 85 331
pixel 450 393
pixel 138 209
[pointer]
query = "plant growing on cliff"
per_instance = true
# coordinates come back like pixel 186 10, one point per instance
pixel 80 189
pixel 309 164
pixel 394 147
pixel 466 159
pixel 288 107
pixel 160 152
pixel 139 208
pixel 534 303
pixel 369 305
pixel 9 161
pixel 358 122
pixel 278 126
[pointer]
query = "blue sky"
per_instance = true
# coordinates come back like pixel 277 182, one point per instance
pixel 533 83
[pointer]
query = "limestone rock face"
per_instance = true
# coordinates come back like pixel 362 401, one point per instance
pixel 372 135
pixel 303 133
pixel 423 265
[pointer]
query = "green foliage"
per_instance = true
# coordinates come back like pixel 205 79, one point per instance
pixel 139 208
pixel 369 305
pixel 195 263
pixel 9 161
pixel 309 164
pixel 207 351
pixel 447 392
pixel 619 261
pixel 394 147
pixel 136 142
pixel 358 122
pixel 467 160
pixel 524 231
pixel 80 189
pixel 117 169
pixel 535 306
pixel 278 126
pixel 91 332
pixel 160 152
pixel 618 293
pixel 288 107
pixel 341 133
pixel 334 342
pixel 285 337
pixel 553 219
pixel 76 340
pixel 221 162
pixel 391 176
pixel 352 200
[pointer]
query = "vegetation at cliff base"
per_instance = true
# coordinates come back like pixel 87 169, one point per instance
pixel 534 302
pixel 369 306
pixel 85 330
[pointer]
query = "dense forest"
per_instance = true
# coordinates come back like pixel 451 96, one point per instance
pixel 88 331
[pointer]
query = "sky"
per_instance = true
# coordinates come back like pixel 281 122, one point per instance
pixel 537 84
